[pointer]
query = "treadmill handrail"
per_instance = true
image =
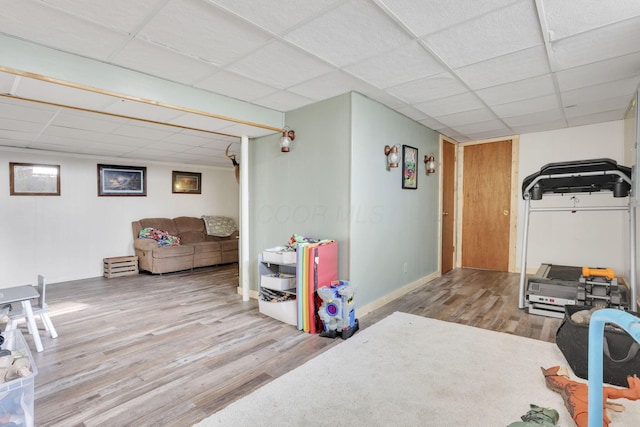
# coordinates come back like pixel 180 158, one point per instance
pixel 539 178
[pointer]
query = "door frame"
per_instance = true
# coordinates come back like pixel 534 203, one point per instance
pixel 441 201
pixel 513 220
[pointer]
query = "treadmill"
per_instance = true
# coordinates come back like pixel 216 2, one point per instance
pixel 554 286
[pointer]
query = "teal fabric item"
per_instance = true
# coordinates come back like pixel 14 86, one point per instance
pixel 626 321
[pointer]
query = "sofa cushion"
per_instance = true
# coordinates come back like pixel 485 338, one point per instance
pixel 220 226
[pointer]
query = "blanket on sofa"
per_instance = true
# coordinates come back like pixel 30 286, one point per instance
pixel 162 237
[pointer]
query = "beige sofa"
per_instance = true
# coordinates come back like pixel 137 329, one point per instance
pixel 196 247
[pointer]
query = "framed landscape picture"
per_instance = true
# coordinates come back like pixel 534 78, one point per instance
pixel 28 179
pixel 186 182
pixel 409 167
pixel 122 180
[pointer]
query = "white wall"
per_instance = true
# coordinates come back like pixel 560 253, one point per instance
pixel 593 239
pixel 66 237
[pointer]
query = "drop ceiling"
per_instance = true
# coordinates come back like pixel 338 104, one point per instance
pixel 468 69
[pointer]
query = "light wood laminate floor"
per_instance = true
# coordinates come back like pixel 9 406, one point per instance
pixel 170 350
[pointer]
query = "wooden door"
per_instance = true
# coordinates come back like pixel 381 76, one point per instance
pixel 448 202
pixel 486 205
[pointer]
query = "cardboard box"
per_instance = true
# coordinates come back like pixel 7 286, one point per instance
pixel 279 282
pixel 20 389
pixel 285 311
pixel 278 255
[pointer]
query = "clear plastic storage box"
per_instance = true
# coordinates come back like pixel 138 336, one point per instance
pixel 17 395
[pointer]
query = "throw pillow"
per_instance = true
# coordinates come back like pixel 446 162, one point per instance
pixel 220 226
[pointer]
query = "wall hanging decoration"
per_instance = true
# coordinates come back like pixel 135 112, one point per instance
pixel 122 180
pixel 409 167
pixel 186 182
pixel 28 179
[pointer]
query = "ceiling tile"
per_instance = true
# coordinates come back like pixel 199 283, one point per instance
pixel 64 95
pixel 15 109
pixel 208 32
pixel 531 105
pixel 357 29
pixel 277 16
pixel 516 27
pixel 538 117
pixel 620 103
pixel 568 17
pixel 496 127
pixel 432 123
pixel 505 69
pixel 329 85
pixel 605 116
pixel 292 66
pixel 235 86
pixel 141 110
pixel 412 112
pixel 625 87
pixel 119 16
pixel 197 121
pixel 453 104
pixel 161 62
pixel 540 127
pixel 70 120
pixel 429 16
pixel 599 72
pixel 472 116
pixel 19 126
pixel 517 91
pixel 407 63
pixel 489 134
pixel 603 43
pixel 42 24
pixel 283 101
pixel 434 87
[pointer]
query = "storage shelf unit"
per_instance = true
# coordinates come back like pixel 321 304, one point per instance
pixel 276 277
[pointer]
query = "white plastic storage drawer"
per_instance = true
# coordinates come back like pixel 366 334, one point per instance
pixel 278 281
pixel 278 255
pixel 285 311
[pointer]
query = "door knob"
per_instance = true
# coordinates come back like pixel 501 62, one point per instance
pixel 505 212
pixel 445 213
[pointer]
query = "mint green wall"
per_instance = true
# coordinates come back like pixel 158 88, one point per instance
pixel 334 184
pixel 305 191
pixel 394 231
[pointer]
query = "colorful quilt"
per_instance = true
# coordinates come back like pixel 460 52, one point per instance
pixel 162 237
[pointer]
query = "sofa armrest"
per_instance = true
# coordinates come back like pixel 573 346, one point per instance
pixel 145 244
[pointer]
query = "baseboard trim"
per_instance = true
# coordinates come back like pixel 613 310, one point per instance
pixel 252 294
pixel 372 306
pixel 368 308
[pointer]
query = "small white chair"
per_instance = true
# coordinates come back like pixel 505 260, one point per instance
pixel 39 309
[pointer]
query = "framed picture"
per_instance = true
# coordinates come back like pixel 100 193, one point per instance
pixel 409 167
pixel 28 179
pixel 186 182
pixel 122 180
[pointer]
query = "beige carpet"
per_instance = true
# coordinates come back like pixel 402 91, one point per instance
pixel 408 370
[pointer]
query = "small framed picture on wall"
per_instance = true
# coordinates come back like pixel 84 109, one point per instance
pixel 186 182
pixel 409 167
pixel 28 179
pixel 122 180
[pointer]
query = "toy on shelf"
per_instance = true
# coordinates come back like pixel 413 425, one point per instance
pixel 337 310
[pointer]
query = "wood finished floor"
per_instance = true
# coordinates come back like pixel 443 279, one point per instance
pixel 171 350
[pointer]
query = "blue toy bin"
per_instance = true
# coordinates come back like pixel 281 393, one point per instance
pixel 17 396
pixel 626 321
